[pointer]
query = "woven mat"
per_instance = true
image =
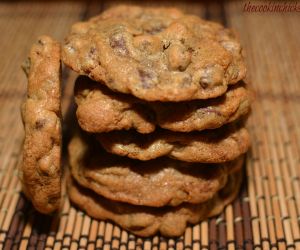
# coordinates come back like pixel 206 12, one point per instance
pixel 266 213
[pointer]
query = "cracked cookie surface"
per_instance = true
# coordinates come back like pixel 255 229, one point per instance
pixel 40 171
pixel 146 221
pixel 101 110
pixel 210 146
pixel 155 54
pixel 154 183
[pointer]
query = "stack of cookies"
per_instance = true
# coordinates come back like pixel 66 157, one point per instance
pixel 161 106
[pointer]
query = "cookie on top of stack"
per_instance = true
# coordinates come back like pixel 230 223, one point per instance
pixel 161 106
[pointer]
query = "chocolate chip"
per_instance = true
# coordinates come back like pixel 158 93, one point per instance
pixel 146 78
pixel 118 43
pixel 212 75
pixel 92 55
pixel 166 46
pixel 92 50
pixel 41 42
pixel 181 68
pixel 39 124
pixel 153 29
pixel 204 85
pixel 211 110
pixel 190 50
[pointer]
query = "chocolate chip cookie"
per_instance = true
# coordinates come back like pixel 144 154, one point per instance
pixel 40 171
pixel 152 183
pixel 212 146
pixel 101 110
pixel 146 221
pixel 156 54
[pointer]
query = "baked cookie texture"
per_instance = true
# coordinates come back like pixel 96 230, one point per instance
pixel 101 110
pixel 146 221
pixel 212 146
pixel 40 170
pixel 153 183
pixel 155 54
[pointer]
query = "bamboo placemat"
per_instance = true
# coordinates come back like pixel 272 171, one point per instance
pixel 266 214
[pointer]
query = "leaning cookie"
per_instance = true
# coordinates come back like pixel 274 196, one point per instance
pixel 156 54
pixel 210 146
pixel 40 171
pixel 146 221
pixel 101 110
pixel 154 183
